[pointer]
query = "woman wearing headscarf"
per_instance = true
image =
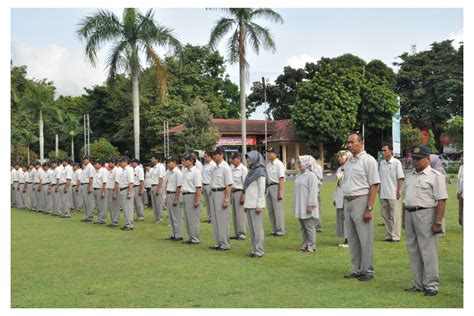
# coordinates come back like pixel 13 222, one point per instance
pixel 342 157
pixel 254 200
pixel 305 201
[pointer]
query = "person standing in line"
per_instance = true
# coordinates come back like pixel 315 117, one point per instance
pixel 139 188
pixel 55 194
pixel 46 189
pixel 76 196
pixel 275 192
pixel 199 165
pixel 305 201
pixel 100 189
pixel 147 196
pixel 221 187
pixel 437 165
pixel 65 188
pixel 13 186
pixel 113 203
pixel 253 195
pixel 18 174
pixel 206 180
pixel 192 188
pixel 318 171
pixel 85 186
pixel 22 187
pixel 174 181
pixel 391 183
pixel 124 188
pixel 239 172
pixel 157 185
pixel 31 188
pixel 424 202
pixel 36 182
pixel 342 157
pixel 39 188
pixel 460 190
pixel 359 186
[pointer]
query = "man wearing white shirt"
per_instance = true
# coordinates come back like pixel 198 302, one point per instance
pixel 157 185
pixel 460 190
pixel 18 174
pixel 206 181
pixel 13 186
pixel 56 195
pixel 31 202
pixel 85 186
pixel 46 189
pixel 22 190
pixel 239 218
pixel 39 188
pixel 36 185
pixel 192 188
pixel 198 162
pixel 99 185
pixel 391 183
pixel 113 202
pixel 275 192
pixel 76 195
pixel 65 188
pixel 125 182
pixel 174 181
pixel 139 188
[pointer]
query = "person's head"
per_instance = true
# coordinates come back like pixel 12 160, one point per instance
pixel 208 156
pixel 387 151
pixel 37 166
pixel 45 166
pixel 17 166
pixel 64 163
pixel 86 160
pixel 31 166
pixel 155 159
pixel 76 166
pixel 236 159
pixel 421 157
pixel 172 162
pixel 272 153
pixel 355 143
pixel 218 155
pixel 196 154
pixel 343 156
pixel 98 164
pixel 189 161
pixel 135 162
pixel 112 163
pixel 24 168
pixel 124 161
pixel 54 164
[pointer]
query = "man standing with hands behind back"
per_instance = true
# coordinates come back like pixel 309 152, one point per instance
pixel 359 186
pixel 275 187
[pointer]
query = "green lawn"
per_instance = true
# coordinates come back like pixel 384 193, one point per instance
pixel 65 263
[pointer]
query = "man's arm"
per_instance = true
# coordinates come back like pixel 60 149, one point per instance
pixel 440 208
pixel 370 202
pixel 399 187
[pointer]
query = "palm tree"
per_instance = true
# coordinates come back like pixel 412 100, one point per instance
pixel 72 127
pixel 134 35
pixel 244 30
pixel 28 138
pixel 39 98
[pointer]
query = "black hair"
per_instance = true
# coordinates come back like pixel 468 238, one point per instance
pixel 390 146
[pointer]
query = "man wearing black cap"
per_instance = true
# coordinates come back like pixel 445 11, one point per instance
pixel 424 201
pixel 125 190
pixel 174 181
pixel 157 186
pixel 100 188
pixel 85 185
pixel 221 187
pixel 192 188
pixel 239 218
pixel 275 192
pixel 138 188
pixel 65 188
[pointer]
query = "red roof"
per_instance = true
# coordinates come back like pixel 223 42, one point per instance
pixel 278 131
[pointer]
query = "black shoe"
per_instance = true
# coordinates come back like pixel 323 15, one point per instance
pixel 234 237
pixel 256 256
pixel 431 293
pixel 99 223
pixel 240 238
pixel 393 240
pixel 413 289
pixel 352 276
pixel 278 235
pixel 213 247
pixel 388 239
pixel 250 254
pixel 187 241
pixel 65 216
pixel 113 225
pixel 222 249
pixel 272 234
pixel 170 238
pixel 126 228
pixel 178 239
pixel 366 277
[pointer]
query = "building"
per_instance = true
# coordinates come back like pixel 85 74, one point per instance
pixel 280 134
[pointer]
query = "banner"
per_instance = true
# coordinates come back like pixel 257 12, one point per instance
pixel 236 141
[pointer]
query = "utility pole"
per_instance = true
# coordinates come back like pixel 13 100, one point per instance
pixel 265 111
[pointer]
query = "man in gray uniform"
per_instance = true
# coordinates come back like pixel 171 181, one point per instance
pixel 100 188
pixel 424 202
pixel 221 188
pixel 191 188
pixel 275 192
pixel 239 218
pixel 31 188
pixel 138 188
pixel 206 181
pixel 157 185
pixel 125 189
pixel 174 181
pixel 39 188
pixel 65 188
pixel 360 183
pixel 56 195
pixel 113 203
pixel 85 186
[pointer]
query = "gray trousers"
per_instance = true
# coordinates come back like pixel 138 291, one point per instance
pixel 319 221
pixel 77 202
pixel 18 196
pixel 175 216
pixel 340 231
pixel 32 196
pixel 392 217
pixel 66 200
pixel 114 206
pixel 156 203
pixel 308 231
pixel 360 235
pixel 127 207
pixel 422 248
pixel 101 204
pixel 25 197
pixel 138 202
pixel 220 219
pixel 192 217
pixel 276 211
pixel 38 197
pixel 88 201
pixel 13 193
pixel 256 230
pixel 47 200
pixel 238 215
pixel 56 196
pixel 206 190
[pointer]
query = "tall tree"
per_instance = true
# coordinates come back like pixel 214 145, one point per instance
pixel 135 33
pixel 72 127
pixel 245 31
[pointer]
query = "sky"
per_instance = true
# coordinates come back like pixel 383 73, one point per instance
pixel 45 39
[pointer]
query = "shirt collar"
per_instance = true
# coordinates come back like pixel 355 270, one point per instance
pixel 425 171
pixel 390 161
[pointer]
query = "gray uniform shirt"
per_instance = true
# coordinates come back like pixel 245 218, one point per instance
pixel 255 194
pixel 424 188
pixel 87 173
pixel 238 175
pixel 174 179
pixel 390 172
pixel 275 171
pixel 192 179
pixel 305 194
pixel 221 176
pixel 207 172
pixel 360 172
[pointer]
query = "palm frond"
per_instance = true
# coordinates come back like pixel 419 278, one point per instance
pixel 261 36
pixel 161 74
pixel 222 26
pixel 116 61
pixel 267 14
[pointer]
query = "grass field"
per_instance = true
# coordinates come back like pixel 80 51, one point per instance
pixel 65 263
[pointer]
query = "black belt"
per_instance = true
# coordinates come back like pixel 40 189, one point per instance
pixel 170 192
pixel 415 209
pixel 53 185
pixel 121 189
pixel 184 193
pixel 218 189
pixel 29 182
pixel 136 185
pixel 62 184
pixel 46 183
pixel 16 181
pixel 74 186
pixel 236 190
pixel 273 184
pixel 97 189
pixel 154 185
pixel 205 184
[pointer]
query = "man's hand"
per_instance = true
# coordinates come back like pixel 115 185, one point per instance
pixel 102 195
pixel 334 203
pixel 280 195
pixel 225 204
pixel 56 189
pixel 367 215
pixel 157 193
pixel 140 192
pixel 398 195
pixel 129 195
pixel 197 203
pixel 436 229
pixel 258 210
pixel 175 201
pixel 89 190
pixel 114 196
pixel 309 210
pixel 242 199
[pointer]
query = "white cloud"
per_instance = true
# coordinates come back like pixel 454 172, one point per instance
pixel 299 61
pixel 67 68
pixel 457 37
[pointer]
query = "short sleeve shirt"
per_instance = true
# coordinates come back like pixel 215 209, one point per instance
pixel 192 179
pixel 275 171
pixel 221 176
pixel 87 173
pixel 360 173
pixel 125 177
pixel 174 179
pixel 207 172
pixel 424 188
pixel 139 175
pixel 390 172
pixel 100 177
pixel 238 175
